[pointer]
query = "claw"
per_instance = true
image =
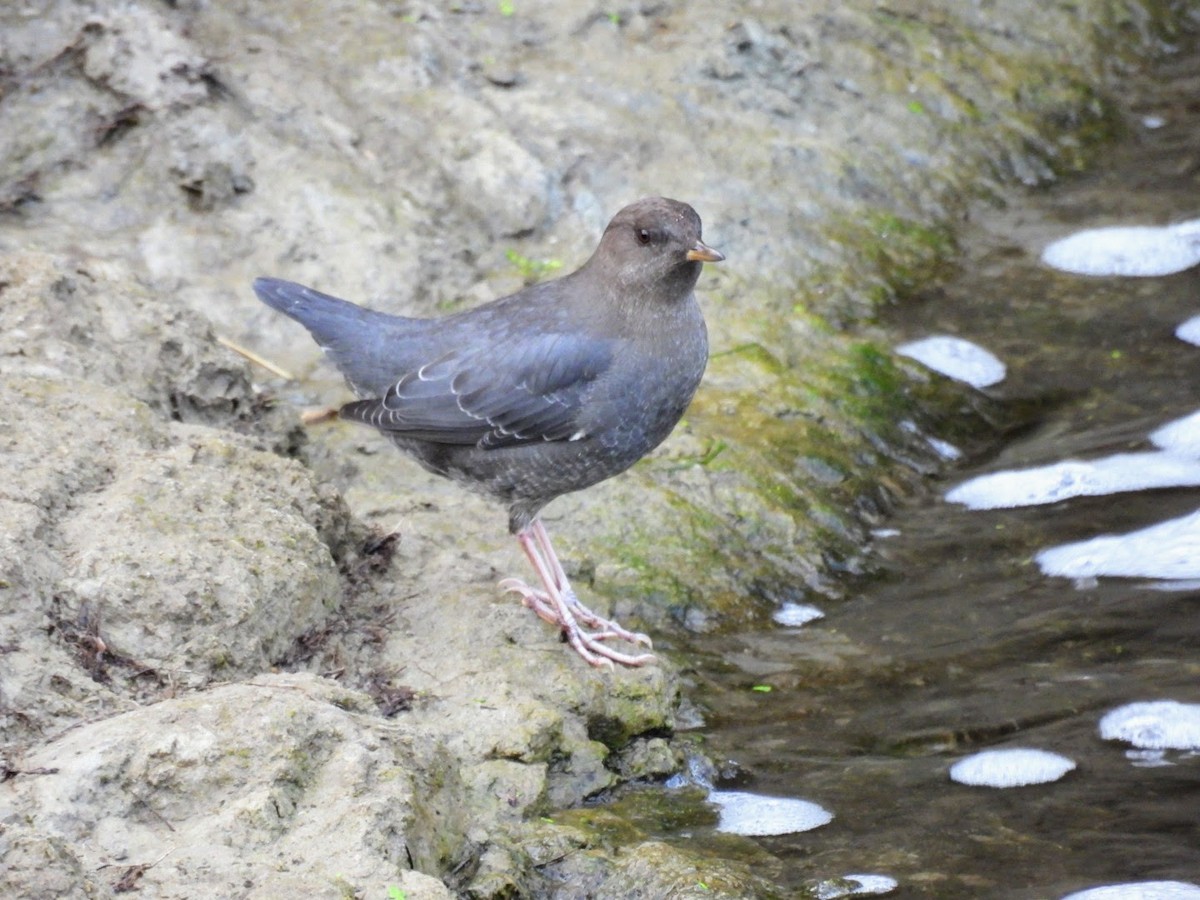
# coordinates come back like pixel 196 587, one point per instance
pixel 558 605
pixel 532 598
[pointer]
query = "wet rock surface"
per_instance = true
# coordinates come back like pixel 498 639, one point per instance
pixel 214 677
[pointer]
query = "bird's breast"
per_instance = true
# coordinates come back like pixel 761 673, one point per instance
pixel 653 377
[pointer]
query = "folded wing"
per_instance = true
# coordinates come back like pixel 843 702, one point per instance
pixel 495 396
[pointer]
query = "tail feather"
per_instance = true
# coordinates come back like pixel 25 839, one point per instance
pixel 321 314
pixel 366 346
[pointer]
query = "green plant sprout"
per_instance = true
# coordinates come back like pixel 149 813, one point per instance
pixel 532 269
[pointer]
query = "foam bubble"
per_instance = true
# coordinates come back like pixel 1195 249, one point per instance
pixel 1137 251
pixel 1010 767
pixel 757 815
pixel 855 886
pixel 793 615
pixel 1078 478
pixel 1154 725
pixel 1140 890
pixel 1168 550
pixel 1179 436
pixel 1148 759
pixel 1189 331
pixel 957 359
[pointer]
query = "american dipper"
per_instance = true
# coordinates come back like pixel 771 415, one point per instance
pixel 546 391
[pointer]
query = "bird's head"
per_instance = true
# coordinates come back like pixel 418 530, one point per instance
pixel 652 248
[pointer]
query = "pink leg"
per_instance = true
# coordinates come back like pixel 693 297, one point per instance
pixel 582 613
pixel 558 605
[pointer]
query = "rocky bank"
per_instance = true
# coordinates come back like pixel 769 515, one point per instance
pixel 225 669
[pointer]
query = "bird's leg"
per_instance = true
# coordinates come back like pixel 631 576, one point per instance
pixel 558 605
pixel 582 613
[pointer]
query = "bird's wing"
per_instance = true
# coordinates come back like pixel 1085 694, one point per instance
pixel 492 397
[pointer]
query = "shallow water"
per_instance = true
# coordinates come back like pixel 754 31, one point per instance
pixel 958 643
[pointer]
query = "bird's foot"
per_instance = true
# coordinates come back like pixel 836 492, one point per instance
pixel 532 598
pixel 606 627
pixel 541 603
pixel 568 612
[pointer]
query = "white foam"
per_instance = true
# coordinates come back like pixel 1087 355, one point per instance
pixel 855 886
pixel 1140 890
pixel 1010 767
pixel 1148 759
pixel 1189 331
pixel 1180 436
pixel 757 815
pixel 1127 250
pixel 1077 478
pixel 957 359
pixel 1154 725
pixel 1189 230
pixel 793 615
pixel 1169 550
pixel 944 449
pixel 1183 584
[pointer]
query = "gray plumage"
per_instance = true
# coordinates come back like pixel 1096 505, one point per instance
pixel 549 390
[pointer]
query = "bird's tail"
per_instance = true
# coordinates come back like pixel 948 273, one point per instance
pixel 361 342
pixel 320 313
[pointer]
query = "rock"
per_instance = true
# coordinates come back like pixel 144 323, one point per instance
pixel 90 320
pixel 181 555
pixel 226 790
pixel 142 552
pixel 648 758
pixel 644 871
pixel 501 184
pixel 34 865
pixel 217 540
pixel 655 869
pixel 133 51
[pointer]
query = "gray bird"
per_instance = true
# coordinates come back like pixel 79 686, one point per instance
pixel 549 390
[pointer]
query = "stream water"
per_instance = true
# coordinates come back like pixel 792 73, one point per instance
pixel 959 642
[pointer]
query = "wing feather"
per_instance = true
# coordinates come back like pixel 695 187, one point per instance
pixel 496 397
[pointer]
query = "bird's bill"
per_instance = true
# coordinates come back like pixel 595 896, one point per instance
pixel 704 253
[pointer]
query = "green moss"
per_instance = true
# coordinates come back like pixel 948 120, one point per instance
pixel 903 256
pixel 599 827
pixel 1025 114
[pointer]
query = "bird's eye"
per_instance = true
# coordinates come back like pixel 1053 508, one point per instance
pixel 643 237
